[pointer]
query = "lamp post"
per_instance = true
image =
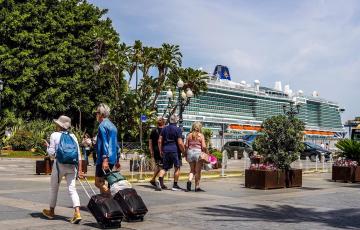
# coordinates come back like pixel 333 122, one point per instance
pixel 183 100
pixel 292 110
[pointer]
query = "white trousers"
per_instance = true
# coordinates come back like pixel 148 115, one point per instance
pixel 69 172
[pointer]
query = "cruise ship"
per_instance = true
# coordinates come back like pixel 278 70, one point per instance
pixel 238 109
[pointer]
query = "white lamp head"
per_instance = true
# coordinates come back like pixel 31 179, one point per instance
pixel 180 84
pixel 189 93
pixel 169 94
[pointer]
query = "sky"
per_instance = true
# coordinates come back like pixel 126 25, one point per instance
pixel 312 45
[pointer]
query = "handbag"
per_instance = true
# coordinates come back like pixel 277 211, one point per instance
pixel 113 177
pixel 205 157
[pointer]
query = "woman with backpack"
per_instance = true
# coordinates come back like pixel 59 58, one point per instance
pixel 195 145
pixel 65 148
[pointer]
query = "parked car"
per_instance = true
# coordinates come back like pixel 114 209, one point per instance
pixel 239 146
pixel 312 150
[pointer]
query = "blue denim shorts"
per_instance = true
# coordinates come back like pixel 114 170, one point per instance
pixel 171 159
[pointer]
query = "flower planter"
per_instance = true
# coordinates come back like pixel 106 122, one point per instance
pixel 346 173
pixel 45 166
pixel 294 178
pixel 218 165
pixel 271 179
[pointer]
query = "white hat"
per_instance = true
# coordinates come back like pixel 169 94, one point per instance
pixel 63 122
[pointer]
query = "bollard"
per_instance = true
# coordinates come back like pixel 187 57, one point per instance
pixel 223 162
pixel 307 164
pixel 236 157
pixel 300 163
pixel 323 161
pixel 316 163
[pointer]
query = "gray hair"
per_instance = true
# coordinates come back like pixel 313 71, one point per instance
pixel 104 110
pixel 174 118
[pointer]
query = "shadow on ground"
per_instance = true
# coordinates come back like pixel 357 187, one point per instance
pixel 341 218
pixel 56 217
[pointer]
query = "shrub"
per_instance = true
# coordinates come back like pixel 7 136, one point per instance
pixel 21 140
pixel 281 140
pixel 350 149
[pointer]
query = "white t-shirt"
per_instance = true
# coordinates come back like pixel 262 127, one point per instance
pixel 54 143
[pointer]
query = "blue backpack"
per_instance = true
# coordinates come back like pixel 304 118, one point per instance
pixel 67 151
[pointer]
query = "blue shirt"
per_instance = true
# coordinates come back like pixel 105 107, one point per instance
pixel 106 143
pixel 170 135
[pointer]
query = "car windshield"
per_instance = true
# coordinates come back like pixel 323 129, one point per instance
pixel 312 145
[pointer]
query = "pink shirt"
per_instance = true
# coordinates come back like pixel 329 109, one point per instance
pixel 195 143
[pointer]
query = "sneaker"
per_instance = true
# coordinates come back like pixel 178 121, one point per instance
pixel 199 190
pixel 176 188
pixel 164 187
pixel 48 214
pixel 157 185
pixel 76 218
pixel 152 183
pixel 188 186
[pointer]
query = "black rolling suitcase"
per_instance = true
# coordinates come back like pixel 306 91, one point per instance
pixel 104 208
pixel 132 205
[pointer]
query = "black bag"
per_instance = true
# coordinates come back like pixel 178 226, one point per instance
pixel 132 205
pixel 105 209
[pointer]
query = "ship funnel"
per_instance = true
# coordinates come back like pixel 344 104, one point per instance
pixel 300 93
pixel 315 94
pixel 243 83
pixel 257 85
pixel 286 89
pixel 278 86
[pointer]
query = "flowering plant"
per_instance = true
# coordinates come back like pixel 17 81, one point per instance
pixel 263 166
pixel 345 163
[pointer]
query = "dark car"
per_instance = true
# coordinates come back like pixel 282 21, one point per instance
pixel 312 150
pixel 239 146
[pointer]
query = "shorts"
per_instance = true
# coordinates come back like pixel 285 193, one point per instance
pixel 193 155
pixel 159 162
pixel 99 171
pixel 171 159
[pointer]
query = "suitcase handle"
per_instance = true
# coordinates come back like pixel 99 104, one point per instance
pixel 82 185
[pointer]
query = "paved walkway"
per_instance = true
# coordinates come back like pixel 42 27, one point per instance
pixel 320 204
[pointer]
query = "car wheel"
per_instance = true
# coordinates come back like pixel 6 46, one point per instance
pixel 313 158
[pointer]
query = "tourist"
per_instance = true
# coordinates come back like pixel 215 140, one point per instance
pixel 86 144
pixel 195 145
pixel 107 147
pixel 169 141
pixel 154 150
pixel 70 171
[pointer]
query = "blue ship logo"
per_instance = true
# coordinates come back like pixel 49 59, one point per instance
pixel 222 72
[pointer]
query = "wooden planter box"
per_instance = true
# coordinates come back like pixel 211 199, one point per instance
pixel 45 166
pixel 266 179
pixel 294 178
pixel 346 174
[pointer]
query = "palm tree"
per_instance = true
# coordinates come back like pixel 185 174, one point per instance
pixel 135 59
pixel 193 79
pixel 168 58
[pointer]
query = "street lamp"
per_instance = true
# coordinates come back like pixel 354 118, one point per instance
pixel 183 100
pixel 292 110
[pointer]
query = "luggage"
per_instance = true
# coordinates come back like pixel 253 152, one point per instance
pixel 104 208
pixel 132 205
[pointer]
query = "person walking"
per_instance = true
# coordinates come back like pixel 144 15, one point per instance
pixel 195 145
pixel 170 139
pixel 107 147
pixel 70 171
pixel 154 150
pixel 86 144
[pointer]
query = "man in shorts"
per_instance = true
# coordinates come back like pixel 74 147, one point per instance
pixel 154 150
pixel 169 141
